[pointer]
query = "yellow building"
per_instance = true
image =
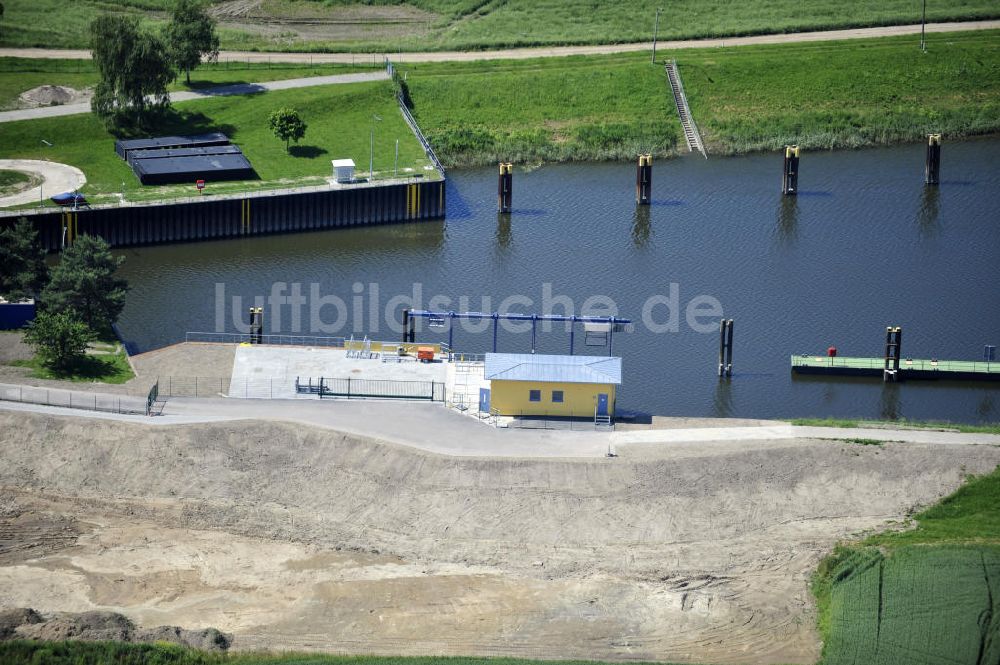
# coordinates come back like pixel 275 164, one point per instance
pixel 535 385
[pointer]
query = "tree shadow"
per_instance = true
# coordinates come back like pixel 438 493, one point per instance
pixel 172 121
pixel 86 367
pixel 306 151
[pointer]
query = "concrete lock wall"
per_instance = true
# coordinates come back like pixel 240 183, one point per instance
pixel 512 398
pixel 228 217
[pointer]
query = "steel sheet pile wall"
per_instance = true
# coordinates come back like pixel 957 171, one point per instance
pixel 233 217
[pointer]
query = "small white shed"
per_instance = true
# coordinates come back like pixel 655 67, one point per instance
pixel 343 170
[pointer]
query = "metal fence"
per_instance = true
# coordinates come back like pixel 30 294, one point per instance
pixel 431 391
pixel 193 386
pixel 73 399
pixel 246 338
pixel 567 423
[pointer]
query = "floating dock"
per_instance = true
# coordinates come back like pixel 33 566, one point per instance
pixel 909 368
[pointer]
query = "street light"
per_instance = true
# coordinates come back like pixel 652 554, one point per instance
pixel 923 22
pixel 371 154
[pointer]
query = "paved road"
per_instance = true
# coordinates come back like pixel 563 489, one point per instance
pixel 56 179
pixel 547 52
pixel 435 429
pixel 220 91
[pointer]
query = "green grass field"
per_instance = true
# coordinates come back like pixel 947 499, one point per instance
pixel 925 595
pixel 476 24
pixel 105 363
pixel 101 653
pixel 558 109
pixel 339 118
pixel 18 75
pixel 843 94
pixel 820 95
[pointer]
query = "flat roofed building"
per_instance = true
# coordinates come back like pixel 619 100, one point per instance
pixel 536 385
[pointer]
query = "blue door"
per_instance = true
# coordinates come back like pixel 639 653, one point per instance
pixel 484 400
pixel 602 404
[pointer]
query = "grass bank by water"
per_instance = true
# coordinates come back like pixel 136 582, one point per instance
pixel 844 94
pixel 338 117
pixel 928 594
pixel 475 24
pixel 820 95
pixel 560 109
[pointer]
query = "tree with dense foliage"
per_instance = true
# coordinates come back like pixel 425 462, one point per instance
pixel 191 36
pixel 59 339
pixel 23 272
pixel 133 69
pixel 84 284
pixel 287 125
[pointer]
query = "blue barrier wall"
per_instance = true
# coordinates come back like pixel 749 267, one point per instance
pixel 15 315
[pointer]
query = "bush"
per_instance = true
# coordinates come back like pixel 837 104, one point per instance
pixel 60 340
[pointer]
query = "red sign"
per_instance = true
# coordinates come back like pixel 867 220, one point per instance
pixel 200 184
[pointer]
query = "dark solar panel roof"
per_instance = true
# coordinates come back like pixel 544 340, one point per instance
pixel 193 141
pixel 183 152
pixel 189 169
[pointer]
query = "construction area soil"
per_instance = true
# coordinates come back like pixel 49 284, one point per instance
pixel 290 537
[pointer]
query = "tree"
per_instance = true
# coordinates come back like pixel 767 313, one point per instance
pixel 84 284
pixel 133 71
pixel 287 125
pixel 22 262
pixel 59 339
pixel 191 36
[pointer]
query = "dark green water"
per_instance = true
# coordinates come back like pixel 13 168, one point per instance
pixel 864 245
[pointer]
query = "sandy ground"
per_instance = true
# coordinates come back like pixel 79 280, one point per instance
pixel 547 52
pixel 291 536
pixel 56 178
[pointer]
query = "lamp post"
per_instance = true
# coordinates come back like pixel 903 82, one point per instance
pixel 656 29
pixel 371 154
pixel 923 22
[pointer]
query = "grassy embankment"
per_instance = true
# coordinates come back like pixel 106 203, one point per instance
pixel 844 94
pixel 929 594
pixel 338 118
pixel 475 24
pixel 18 75
pixel 559 109
pixel 987 428
pixel 821 95
pixel 99 653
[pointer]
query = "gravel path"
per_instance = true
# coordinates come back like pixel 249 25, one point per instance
pixel 552 51
pixel 184 96
pixel 56 179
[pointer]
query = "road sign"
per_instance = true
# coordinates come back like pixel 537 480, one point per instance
pixel 200 184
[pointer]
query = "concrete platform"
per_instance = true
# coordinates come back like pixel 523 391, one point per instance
pixel 261 371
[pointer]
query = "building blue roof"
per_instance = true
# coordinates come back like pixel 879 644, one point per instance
pixel 556 369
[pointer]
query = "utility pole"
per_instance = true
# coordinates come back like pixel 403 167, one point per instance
pixel 395 163
pixel 371 154
pixel 923 22
pixel 656 29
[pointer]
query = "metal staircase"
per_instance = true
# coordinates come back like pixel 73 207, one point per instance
pixel 683 112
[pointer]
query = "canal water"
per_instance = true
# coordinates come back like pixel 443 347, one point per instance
pixel 863 245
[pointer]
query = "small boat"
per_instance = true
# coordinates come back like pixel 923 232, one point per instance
pixel 74 199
